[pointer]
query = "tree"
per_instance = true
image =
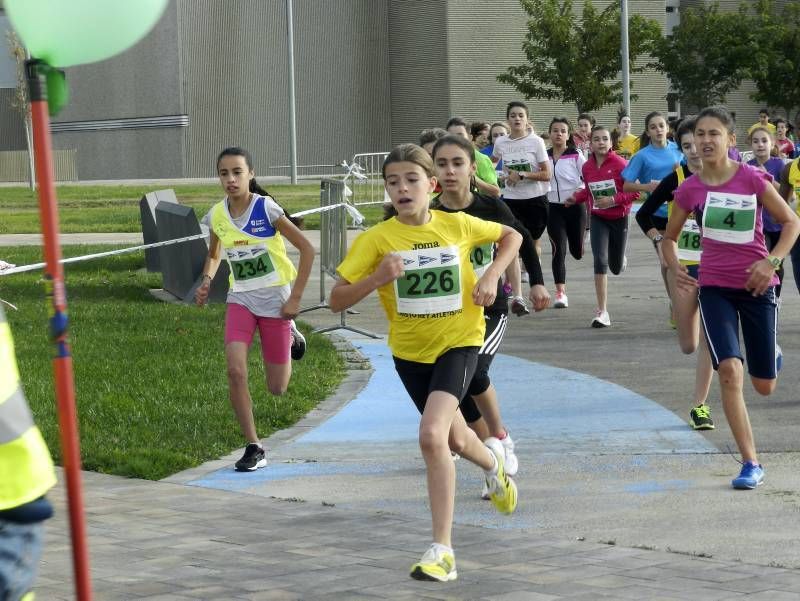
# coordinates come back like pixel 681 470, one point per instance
pixel 708 54
pixel 19 102
pixel 578 62
pixel 775 66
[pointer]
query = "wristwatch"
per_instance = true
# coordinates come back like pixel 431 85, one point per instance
pixel 658 238
pixel 776 262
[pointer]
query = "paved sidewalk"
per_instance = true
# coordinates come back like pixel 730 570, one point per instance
pixel 595 521
pixel 171 541
pixel 161 541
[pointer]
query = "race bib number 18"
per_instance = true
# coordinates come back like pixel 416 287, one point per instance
pixel 690 242
pixel 431 282
pixel 730 217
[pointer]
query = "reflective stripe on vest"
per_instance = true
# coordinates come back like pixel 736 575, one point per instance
pixel 15 417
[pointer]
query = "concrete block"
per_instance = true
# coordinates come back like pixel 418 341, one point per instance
pixel 182 264
pixel 147 212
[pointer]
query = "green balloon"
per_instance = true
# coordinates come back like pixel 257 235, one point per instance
pixel 74 32
pixel 57 91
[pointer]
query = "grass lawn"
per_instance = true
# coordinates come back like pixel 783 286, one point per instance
pixel 150 377
pixel 116 208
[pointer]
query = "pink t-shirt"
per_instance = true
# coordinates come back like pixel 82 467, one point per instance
pixel 732 226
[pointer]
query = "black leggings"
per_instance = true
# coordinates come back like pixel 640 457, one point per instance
pixel 531 212
pixel 566 227
pixel 609 239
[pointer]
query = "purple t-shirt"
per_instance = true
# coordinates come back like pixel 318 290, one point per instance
pixel 724 263
pixel 774 166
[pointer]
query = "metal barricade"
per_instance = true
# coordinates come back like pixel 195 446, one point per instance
pixel 333 248
pixel 364 179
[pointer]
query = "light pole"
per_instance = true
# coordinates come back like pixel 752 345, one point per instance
pixel 626 82
pixel 292 118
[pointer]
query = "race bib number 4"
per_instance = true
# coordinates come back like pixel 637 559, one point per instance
pixel 603 190
pixel 690 242
pixel 251 267
pixel 431 282
pixel 730 217
pixel 481 257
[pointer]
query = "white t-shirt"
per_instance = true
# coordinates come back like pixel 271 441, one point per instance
pixel 522 154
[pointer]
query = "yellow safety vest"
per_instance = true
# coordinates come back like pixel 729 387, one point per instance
pixel 26 469
pixel 244 248
pixel 794 181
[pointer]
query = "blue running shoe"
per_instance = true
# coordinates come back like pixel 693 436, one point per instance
pixel 752 475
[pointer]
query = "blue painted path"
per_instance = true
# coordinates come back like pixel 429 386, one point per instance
pixel 549 411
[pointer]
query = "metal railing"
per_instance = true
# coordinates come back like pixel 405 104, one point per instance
pixel 364 179
pixel 333 247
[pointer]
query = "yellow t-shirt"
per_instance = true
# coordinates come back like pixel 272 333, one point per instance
pixel 794 182
pixel 429 308
pixel 628 146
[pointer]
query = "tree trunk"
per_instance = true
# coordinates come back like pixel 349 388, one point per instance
pixel 29 144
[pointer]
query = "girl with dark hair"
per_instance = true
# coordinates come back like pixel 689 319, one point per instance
pixel 526 168
pixel 582 137
pixel 784 145
pixel 762 144
pixel 736 278
pixel 419 262
pixel 655 160
pixel 689 251
pixel 479 134
pixel 454 166
pixel 247 230
pixel 626 143
pixel 566 225
pixel 610 207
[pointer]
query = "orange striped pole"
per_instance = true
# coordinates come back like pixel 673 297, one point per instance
pixel 55 291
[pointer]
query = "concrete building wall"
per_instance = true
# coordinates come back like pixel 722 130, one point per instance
pixel 142 82
pixel 418 62
pixel 235 81
pixel 13 133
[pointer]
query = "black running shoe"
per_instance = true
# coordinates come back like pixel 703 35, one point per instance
pixel 298 342
pixel 700 418
pixel 253 458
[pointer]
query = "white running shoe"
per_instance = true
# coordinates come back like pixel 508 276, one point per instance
pixel 511 462
pixel 601 319
pixel 502 489
pixel 561 302
pixel 298 346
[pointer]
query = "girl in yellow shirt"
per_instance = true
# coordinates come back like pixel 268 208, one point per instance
pixel 419 262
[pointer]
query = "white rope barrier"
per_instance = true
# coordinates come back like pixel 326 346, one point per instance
pixel 358 218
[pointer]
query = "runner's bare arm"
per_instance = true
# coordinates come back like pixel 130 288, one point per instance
pixel 761 272
pixel 345 294
pixel 209 269
pixel 668 249
pixel 485 290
